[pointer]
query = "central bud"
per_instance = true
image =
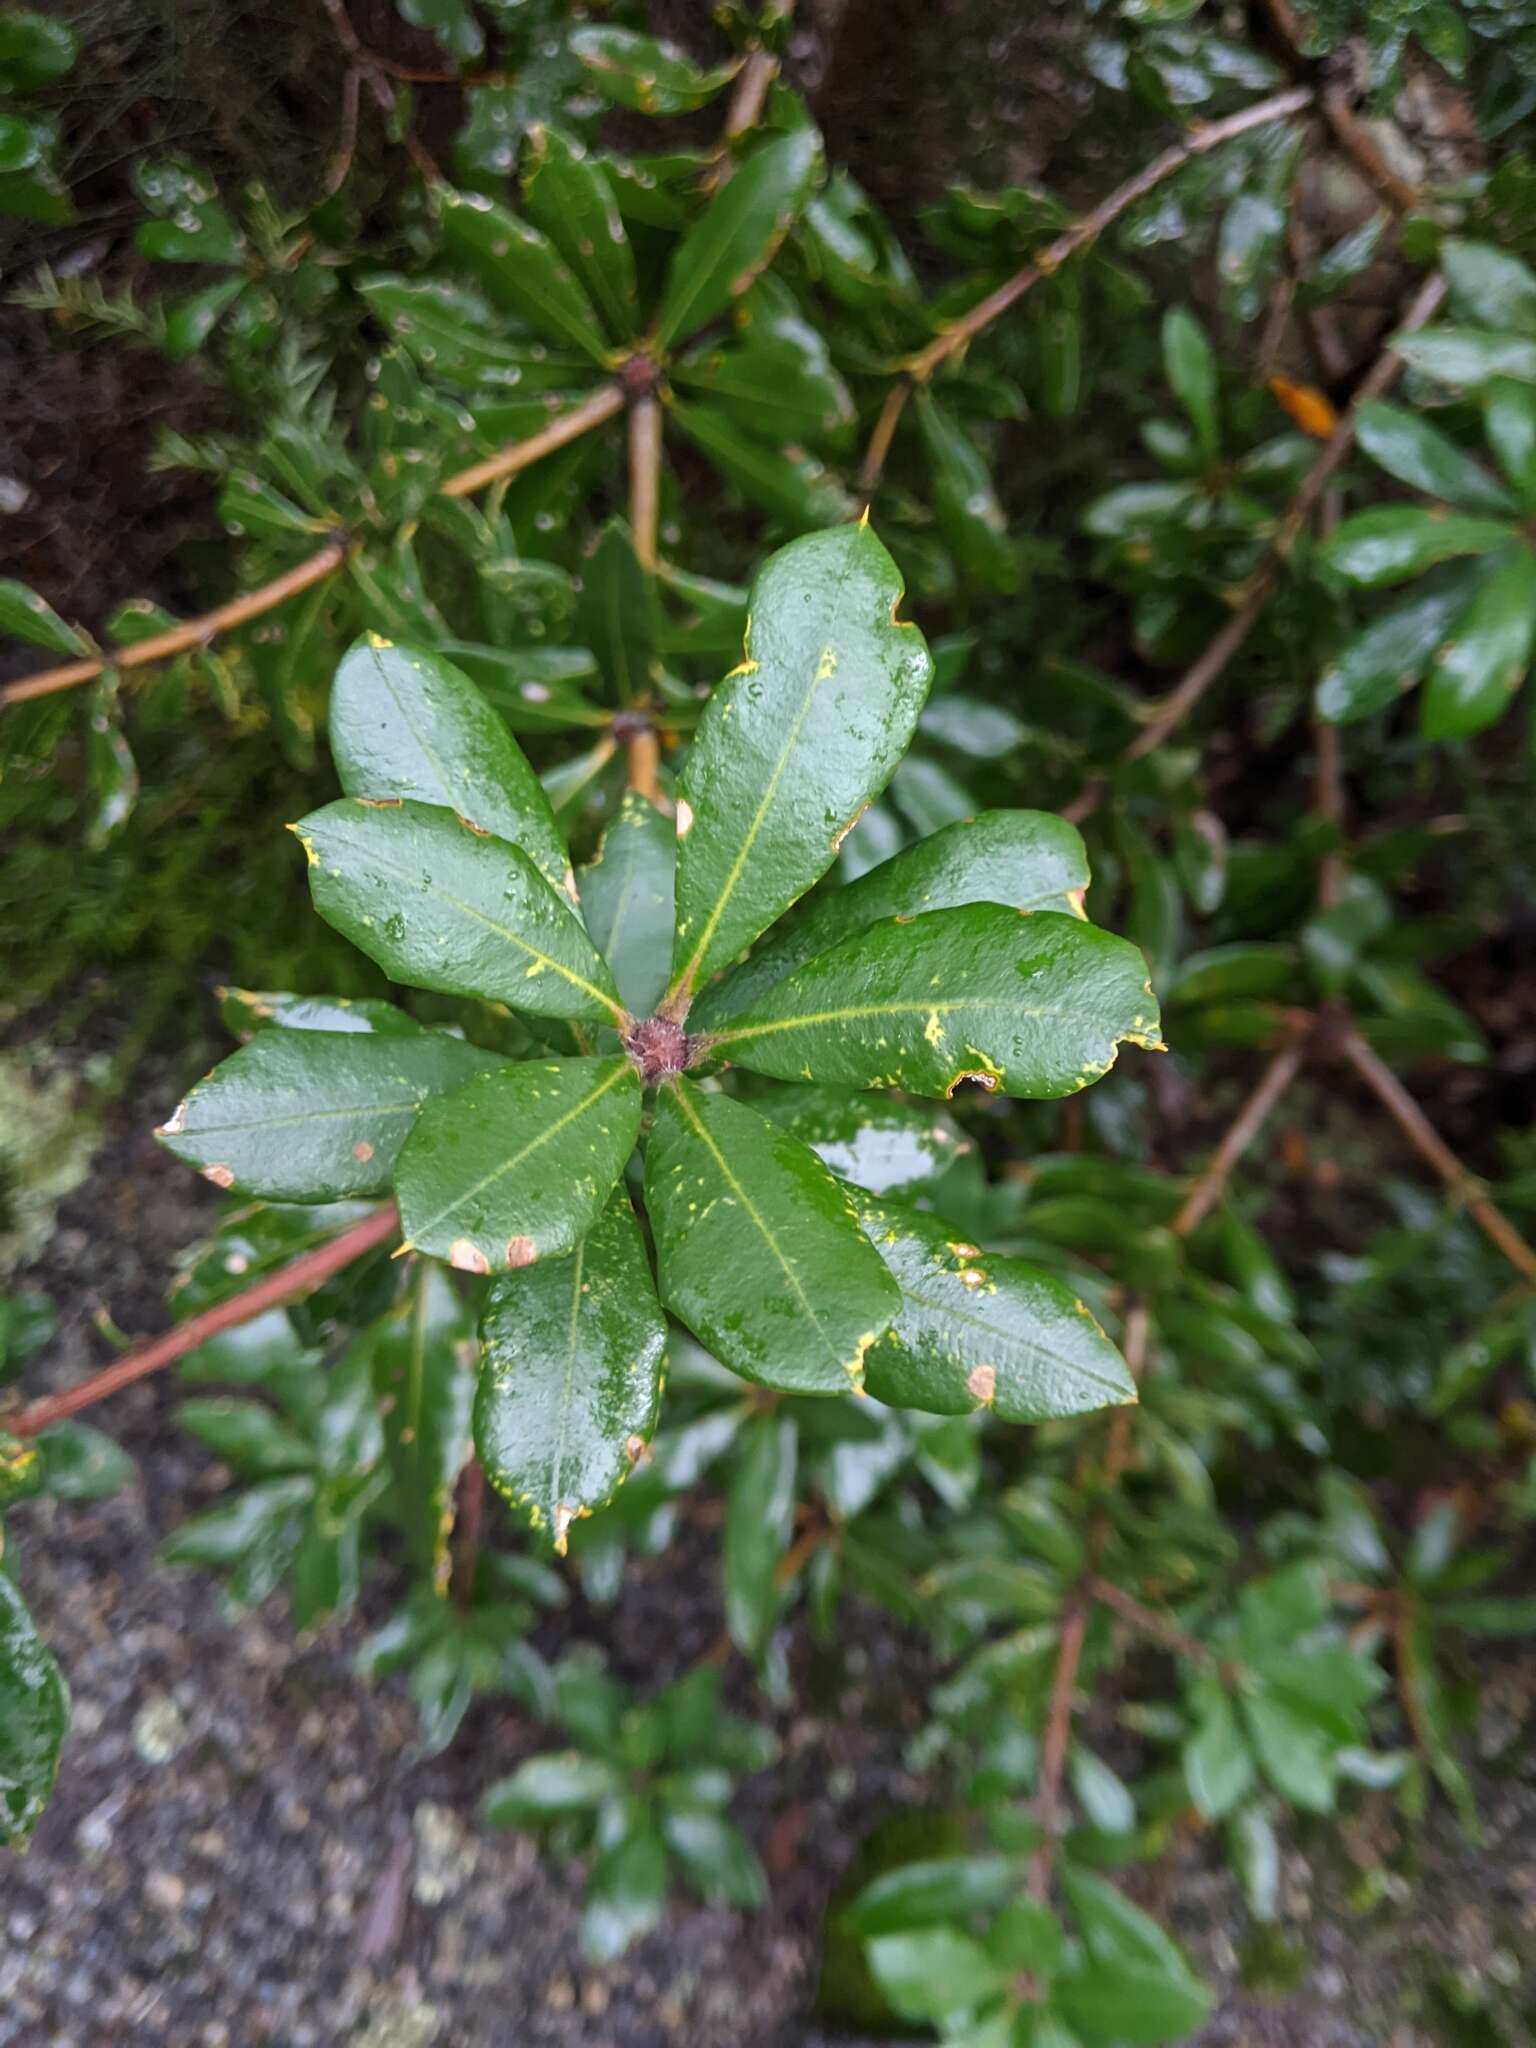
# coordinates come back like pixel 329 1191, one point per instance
pixel 659 1047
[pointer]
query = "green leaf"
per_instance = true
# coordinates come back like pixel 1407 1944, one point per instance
pixel 929 1894
pixel 34 49
pixel 886 1147
pixel 522 271
pixel 517 1165
pixel 81 1463
pixel 1217 1766
pixel 26 616
pixel 1255 1855
pixel 1490 286
pixel 1295 1752
pixel 405 723
pixel 1034 1005
pixel 422 1359
pixel 1406 446
pixel 315 1116
pixel 451 22
pixel 626 1895
pixel 971 726
pixel 1135 1985
pixel 646 73
pixel 738 234
pixel 568 197
pixel 777 379
pixel 1509 417
pixel 759 1521
pixel 440 905
pixel 1104 1798
pixel 934 1974
pixel 245 1011
pixel 1189 363
pixel 1388 656
pixel 246 1436
pixel 546 1787
pixel 1392 542
pixel 193 227
pixel 617 615
pixel 965 499
pixel 759 1247
pixel 787 483
pixel 1484 659
pixel 1029 859
pixel 794 742
pixel 34 1713
pixel 627 896
pixel 719 1861
pixel 570 1383
pixel 1468 356
pixel 258 1517
pixel 979 1330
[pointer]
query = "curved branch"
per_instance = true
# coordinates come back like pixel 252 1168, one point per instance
pixel 299 1276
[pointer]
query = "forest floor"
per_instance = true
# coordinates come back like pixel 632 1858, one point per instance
pixel 245 1849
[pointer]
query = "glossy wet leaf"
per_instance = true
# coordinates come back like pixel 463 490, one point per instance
pixel 1036 1005
pixel 716 1857
pixel 1388 657
pixel 404 722
pixel 24 615
pixel 980 1330
pixel 570 1380
pixel 1406 446
pixel 884 1146
pixel 777 379
pixel 1484 658
pixel 933 1973
pixel 245 1011
pixel 646 73
pixel 759 1247
pixel 794 742
pixel 1218 1767
pixel 1490 286
pixel 737 234
pixel 786 482
pixel 423 1359
pixel 1392 542
pixel 35 49
pixel 34 1714
pixel 617 615
pixel 522 271
pixel 627 899
pixel 315 1116
pixel 1190 364
pixel 1029 859
pixel 626 1895
pixel 759 1521
pixel 570 200
pixel 1510 420
pixel 517 1165
pixel 930 1893
pixel 1469 356
pixel 440 905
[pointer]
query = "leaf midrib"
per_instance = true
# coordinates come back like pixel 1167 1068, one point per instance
pixel 904 1008
pixel 955 1313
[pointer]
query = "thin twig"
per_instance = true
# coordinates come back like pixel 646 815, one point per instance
pixel 1156 1626
pixel 642 759
pixel 299 1276
pixel 469 1519
pixel 750 94
pixel 1428 1143
pixel 1053 1750
pixel 884 433
pixel 1192 686
pixel 645 476
pixel 1240 1134
pixel 251 604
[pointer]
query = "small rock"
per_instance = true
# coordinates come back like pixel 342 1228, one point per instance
pixel 159 1730
pixel 164 1890
pixel 446 1853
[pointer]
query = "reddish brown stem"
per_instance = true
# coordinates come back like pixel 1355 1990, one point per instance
pixel 645 477
pixel 300 1276
pixel 604 403
pixel 1428 1143
pixel 1157 1627
pixel 642 759
pixel 1240 1134
pixel 1053 1750
pixel 468 1521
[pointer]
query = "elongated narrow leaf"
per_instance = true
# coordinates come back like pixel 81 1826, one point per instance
pixel 777 381
pixel 522 271
pixel 965 499
pixel 1035 1005
pixel 1491 286
pixel 26 616
pixel 978 1330
pixel 759 1247
pixel 1482 663
pixel 441 905
pixel 886 1147
pixel 785 482
pixel 517 1165
pixel 617 615
pixel 423 1358
pixel 1031 860
pixel 1388 656
pixel 794 742
pixel 34 1713
pixel 736 236
pixel 759 1521
pixel 1406 446
pixel 315 1116
pixel 1392 542
pixel 568 197
pixel 646 73
pixel 1190 364
pixel 627 895
pixel 1468 355
pixel 1510 420
pixel 570 1383
pixel 404 722
pixel 245 1011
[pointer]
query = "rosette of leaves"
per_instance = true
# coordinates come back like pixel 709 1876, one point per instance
pixel 960 961
pixel 1467 630
pixel 646 1788
pixel 35 52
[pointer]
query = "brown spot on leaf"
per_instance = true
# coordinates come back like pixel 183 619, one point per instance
pixel 467 1257
pixel 521 1251
pixel 635 1448
pixel 839 837
pixel 362 1151
pixel 480 831
pixel 221 1176
pixel 982 1080
pixel 379 803
pixel 972 1276
pixel 981 1384
pixel 176 1124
